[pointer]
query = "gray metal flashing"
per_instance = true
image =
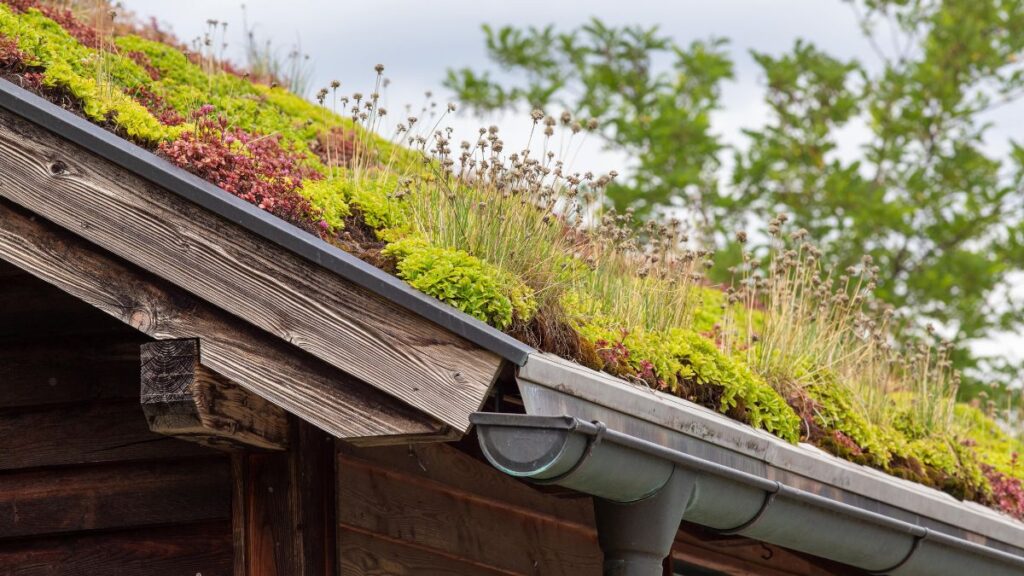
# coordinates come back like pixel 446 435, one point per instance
pixel 161 172
pixel 552 386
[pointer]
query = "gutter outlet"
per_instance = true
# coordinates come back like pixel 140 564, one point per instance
pixel 636 537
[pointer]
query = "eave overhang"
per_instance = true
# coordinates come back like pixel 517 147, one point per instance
pixel 310 295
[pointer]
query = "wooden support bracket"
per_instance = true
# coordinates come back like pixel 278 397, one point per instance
pixel 185 399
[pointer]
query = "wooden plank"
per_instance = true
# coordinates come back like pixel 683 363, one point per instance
pixel 313 468
pixel 481 529
pixel 738 556
pixel 283 374
pixel 82 434
pixel 347 326
pixel 68 369
pixel 458 513
pixel 284 508
pixel 366 554
pixel 191 550
pixel 450 465
pixel 42 502
pixel 184 399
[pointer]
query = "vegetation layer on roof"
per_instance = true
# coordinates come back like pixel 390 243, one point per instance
pixel 521 241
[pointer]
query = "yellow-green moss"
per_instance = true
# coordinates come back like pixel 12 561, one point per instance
pixel 328 197
pixel 374 197
pixel 95 79
pixel 464 281
pixel 836 410
pixel 992 444
pixel 680 356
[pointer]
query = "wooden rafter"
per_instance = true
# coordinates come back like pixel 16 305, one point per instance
pixel 261 363
pixel 185 399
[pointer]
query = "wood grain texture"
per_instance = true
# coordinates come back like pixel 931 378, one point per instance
pixel 184 399
pixel 284 508
pixel 90 433
pixel 435 509
pixel 738 556
pixel 368 554
pixel 259 362
pixel 190 550
pixel 494 525
pixel 42 502
pixel 65 369
pixel 347 326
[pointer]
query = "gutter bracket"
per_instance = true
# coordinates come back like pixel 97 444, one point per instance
pixel 910 554
pixel 592 443
pixel 637 536
pixel 769 498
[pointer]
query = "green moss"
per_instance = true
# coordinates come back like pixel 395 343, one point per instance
pixel 374 197
pixel 329 198
pixel 836 410
pixel 95 79
pixel 464 281
pixel 992 444
pixel 681 357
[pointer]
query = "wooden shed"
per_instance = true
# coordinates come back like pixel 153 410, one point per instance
pixel 154 422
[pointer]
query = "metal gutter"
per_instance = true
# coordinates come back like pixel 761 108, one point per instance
pixel 654 487
pixel 157 170
pixel 552 386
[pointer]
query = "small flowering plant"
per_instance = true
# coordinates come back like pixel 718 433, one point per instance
pixel 256 169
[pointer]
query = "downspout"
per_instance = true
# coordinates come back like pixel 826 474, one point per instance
pixel 643 490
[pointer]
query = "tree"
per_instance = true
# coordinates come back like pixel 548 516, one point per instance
pixel 942 217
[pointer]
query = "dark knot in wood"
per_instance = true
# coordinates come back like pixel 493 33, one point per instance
pixel 58 167
pixel 142 320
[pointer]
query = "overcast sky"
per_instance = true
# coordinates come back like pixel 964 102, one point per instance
pixel 418 41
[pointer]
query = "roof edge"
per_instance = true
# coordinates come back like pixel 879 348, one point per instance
pixel 149 166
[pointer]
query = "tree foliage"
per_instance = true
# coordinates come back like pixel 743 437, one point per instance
pixel 939 212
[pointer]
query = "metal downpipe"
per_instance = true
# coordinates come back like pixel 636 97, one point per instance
pixel 636 537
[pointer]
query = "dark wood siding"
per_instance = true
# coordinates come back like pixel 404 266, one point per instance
pixel 85 487
pixel 439 510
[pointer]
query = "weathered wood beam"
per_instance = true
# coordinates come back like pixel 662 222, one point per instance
pixel 199 548
pixel 185 399
pixel 89 433
pixel 345 325
pixel 263 364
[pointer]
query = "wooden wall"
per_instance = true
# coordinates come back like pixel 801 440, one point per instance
pixel 85 487
pixel 438 510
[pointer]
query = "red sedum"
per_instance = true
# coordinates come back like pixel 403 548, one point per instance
pixel 256 169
